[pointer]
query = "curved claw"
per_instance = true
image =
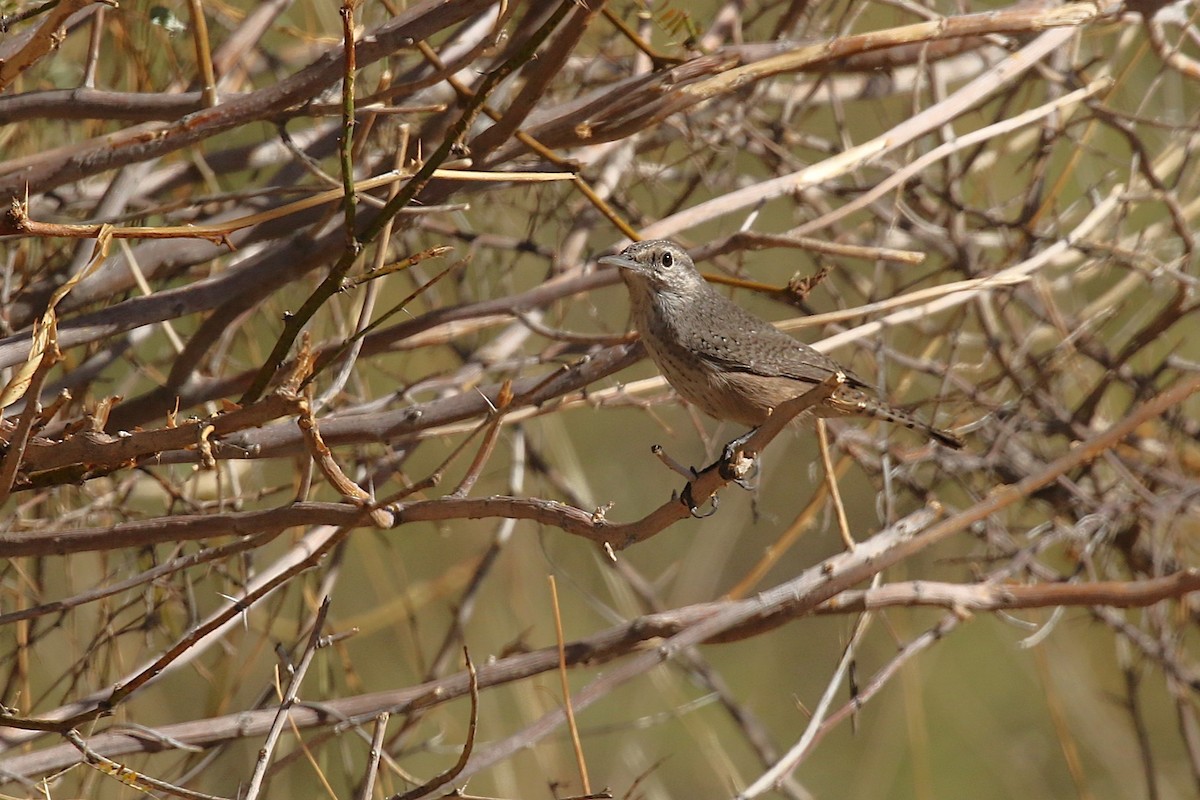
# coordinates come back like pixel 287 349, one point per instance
pixel 695 512
pixel 740 468
pixel 749 481
pixel 688 500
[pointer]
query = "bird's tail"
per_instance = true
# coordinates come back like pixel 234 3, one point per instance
pixel 849 400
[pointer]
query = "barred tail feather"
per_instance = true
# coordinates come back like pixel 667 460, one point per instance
pixel 854 401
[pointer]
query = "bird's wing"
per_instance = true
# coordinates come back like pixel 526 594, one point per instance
pixel 752 345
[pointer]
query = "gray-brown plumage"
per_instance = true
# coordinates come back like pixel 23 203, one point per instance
pixel 723 359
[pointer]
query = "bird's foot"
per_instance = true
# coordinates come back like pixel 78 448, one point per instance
pixel 750 481
pixel 688 500
pixel 738 465
pixel 691 473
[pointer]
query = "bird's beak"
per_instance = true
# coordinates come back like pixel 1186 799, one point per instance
pixel 623 262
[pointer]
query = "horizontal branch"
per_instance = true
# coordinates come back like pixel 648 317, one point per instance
pixel 998 596
pixel 181 528
pixel 103 452
pixel 590 525
pixel 593 650
pixel 144 142
pixel 639 103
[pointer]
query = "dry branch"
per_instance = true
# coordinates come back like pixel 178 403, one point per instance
pixel 727 621
pixel 1004 205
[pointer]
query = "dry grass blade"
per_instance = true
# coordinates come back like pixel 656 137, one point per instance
pixel 43 342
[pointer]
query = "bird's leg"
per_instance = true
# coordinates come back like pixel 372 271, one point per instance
pixel 739 466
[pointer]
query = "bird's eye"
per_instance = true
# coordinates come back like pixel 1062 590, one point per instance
pixel 666 259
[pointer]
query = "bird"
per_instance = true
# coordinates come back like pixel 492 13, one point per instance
pixel 727 362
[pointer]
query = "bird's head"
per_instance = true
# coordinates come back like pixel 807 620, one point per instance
pixel 658 264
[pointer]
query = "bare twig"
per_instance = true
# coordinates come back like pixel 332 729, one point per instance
pixel 286 702
pixel 468 745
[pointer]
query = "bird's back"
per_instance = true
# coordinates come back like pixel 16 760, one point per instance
pixel 731 338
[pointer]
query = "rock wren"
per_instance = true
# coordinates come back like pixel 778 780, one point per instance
pixel 726 361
